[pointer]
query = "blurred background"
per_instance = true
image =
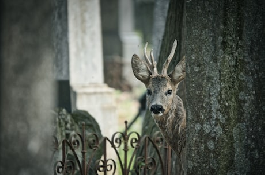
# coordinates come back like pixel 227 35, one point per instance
pixel 71 55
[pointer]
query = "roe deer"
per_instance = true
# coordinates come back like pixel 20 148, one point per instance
pixel 165 105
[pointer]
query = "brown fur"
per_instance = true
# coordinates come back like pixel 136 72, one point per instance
pixel 172 120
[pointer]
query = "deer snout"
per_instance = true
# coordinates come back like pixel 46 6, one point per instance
pixel 157 109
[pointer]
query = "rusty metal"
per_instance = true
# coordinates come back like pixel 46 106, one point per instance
pixel 142 164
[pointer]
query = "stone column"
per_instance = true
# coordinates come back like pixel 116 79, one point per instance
pixel 61 65
pixel 130 40
pixel 86 64
pixel 61 40
pixel 27 94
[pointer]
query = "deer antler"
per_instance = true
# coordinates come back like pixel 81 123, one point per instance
pixel 150 64
pixel 169 58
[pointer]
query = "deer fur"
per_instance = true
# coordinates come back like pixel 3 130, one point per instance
pixel 162 100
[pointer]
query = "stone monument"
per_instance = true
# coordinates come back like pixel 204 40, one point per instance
pixel 86 64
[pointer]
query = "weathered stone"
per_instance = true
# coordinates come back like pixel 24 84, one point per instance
pixel 85 46
pixel 61 63
pixel 86 64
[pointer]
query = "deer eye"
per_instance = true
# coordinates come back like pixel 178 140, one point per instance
pixel 169 92
pixel 149 92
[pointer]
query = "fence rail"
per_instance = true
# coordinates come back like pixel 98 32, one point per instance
pixel 119 142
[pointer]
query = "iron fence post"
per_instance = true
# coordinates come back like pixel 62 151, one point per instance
pixel 125 149
pixel 145 155
pixel 168 160
pixel 64 156
pixel 83 140
pixel 105 156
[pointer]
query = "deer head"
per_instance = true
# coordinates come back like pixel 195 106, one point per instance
pixel 161 88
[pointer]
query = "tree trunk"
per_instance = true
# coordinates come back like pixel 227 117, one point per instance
pixel 225 89
pixel 225 97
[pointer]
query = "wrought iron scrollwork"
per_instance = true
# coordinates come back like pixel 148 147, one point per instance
pixel 106 166
pixel 120 141
pixel 116 140
pixel 134 142
pixel 67 167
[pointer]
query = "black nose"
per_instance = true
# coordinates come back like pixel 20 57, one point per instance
pixel 156 109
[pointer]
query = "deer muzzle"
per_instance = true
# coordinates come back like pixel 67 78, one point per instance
pixel 157 109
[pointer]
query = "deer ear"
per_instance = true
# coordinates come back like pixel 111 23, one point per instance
pixel 140 69
pixel 179 72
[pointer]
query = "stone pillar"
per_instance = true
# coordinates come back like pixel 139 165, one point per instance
pixel 85 42
pixel 130 40
pixel 27 94
pixel 62 55
pixel 86 64
pixel 61 40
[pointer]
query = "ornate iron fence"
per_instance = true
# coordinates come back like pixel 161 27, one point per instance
pixel 136 164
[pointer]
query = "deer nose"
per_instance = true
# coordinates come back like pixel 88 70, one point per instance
pixel 157 109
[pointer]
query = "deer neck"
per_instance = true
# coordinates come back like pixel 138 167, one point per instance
pixel 175 116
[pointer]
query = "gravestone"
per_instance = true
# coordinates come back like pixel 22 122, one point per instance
pixel 86 64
